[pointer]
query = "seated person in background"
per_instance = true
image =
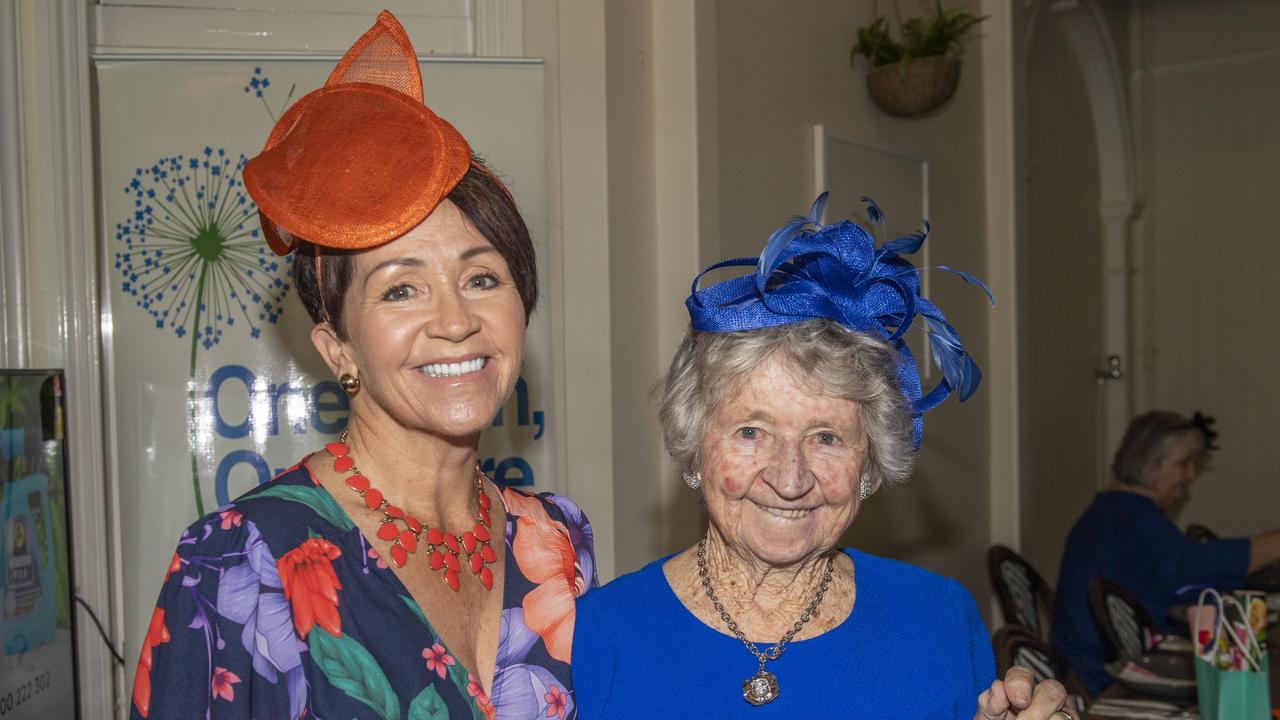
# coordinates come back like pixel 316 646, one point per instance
pixel 1125 536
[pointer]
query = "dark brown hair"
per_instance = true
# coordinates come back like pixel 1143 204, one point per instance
pixel 484 202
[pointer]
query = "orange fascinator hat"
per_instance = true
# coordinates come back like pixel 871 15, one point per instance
pixel 360 161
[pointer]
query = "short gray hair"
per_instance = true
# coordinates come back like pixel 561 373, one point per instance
pixel 1148 440
pixel 838 362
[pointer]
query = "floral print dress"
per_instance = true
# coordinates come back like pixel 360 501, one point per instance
pixel 276 607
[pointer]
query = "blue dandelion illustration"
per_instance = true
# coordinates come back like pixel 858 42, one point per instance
pixel 257 87
pixel 190 255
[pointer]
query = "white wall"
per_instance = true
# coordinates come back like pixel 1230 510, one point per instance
pixel 678 133
pixel 783 67
pixel 1061 300
pixel 1210 252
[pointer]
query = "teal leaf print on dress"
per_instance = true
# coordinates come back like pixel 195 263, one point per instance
pixel 428 706
pixel 315 498
pixel 351 669
pixel 417 610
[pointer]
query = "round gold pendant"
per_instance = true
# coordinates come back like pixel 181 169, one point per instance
pixel 761 688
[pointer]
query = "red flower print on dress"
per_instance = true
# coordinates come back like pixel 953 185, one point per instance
pixel 546 557
pixel 231 517
pixel 481 698
pixel 437 659
pixel 157 633
pixel 311 586
pixel 223 679
pixel 555 698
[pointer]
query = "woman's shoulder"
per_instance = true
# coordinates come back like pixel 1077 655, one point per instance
pixel 545 525
pixel 289 509
pixel 638 588
pixel 903 579
pixel 559 507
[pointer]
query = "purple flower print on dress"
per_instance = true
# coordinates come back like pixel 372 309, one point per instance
pixel 515 639
pixel 521 691
pixel 251 594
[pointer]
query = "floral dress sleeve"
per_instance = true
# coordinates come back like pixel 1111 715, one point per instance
pixel 551 543
pixel 221 642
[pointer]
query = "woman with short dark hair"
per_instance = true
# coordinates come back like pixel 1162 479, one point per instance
pixel 1126 536
pixel 383 576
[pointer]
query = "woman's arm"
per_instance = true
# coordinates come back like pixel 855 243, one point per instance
pixel 1264 550
pixel 220 627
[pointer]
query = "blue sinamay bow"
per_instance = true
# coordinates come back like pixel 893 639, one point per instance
pixel 810 271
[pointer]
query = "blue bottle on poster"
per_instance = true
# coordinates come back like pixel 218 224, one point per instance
pixel 28 601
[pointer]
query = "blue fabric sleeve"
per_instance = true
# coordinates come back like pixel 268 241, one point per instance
pixel 594 662
pixel 1182 562
pixel 982 661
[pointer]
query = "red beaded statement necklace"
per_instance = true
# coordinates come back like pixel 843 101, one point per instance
pixel 447 550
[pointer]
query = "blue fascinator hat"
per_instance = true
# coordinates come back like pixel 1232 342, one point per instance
pixel 810 271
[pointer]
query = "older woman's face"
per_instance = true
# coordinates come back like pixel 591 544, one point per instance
pixel 435 327
pixel 1170 479
pixel 780 465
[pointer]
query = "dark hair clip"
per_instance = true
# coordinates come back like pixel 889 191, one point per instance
pixel 1204 423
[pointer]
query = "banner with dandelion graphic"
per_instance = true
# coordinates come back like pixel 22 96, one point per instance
pixel 214 385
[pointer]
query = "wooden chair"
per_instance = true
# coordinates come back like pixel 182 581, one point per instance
pixel 1025 598
pixel 1200 533
pixel 1127 630
pixel 1017 645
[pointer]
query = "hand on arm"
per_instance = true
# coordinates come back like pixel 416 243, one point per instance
pixel 1019 697
pixel 1264 550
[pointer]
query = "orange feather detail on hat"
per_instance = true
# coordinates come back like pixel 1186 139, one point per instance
pixel 362 160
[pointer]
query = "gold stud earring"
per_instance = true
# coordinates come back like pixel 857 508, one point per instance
pixel 350 383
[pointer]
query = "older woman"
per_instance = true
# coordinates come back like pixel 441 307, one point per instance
pixel 383 576
pixel 1125 536
pixel 790 401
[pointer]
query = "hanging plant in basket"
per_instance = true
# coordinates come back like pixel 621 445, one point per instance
pixel 915 74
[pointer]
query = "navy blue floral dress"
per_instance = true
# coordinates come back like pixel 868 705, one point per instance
pixel 276 607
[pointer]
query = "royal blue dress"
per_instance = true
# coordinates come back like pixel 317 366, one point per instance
pixel 913 647
pixel 277 607
pixel 1124 538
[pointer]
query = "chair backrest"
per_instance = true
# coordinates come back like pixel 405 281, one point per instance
pixel 1025 598
pixel 1017 645
pixel 1127 630
pixel 1200 533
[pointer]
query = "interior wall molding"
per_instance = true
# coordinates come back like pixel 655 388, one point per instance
pixel 57 143
pixel 1242 58
pixel 1000 82
pixel 499 28
pixel 143 26
pixel 13 286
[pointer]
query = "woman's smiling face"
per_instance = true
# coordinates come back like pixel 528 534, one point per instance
pixel 435 328
pixel 780 465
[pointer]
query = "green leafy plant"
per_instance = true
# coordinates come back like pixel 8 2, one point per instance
pixel 942 34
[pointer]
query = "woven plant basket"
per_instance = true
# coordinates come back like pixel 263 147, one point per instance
pixel 927 84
